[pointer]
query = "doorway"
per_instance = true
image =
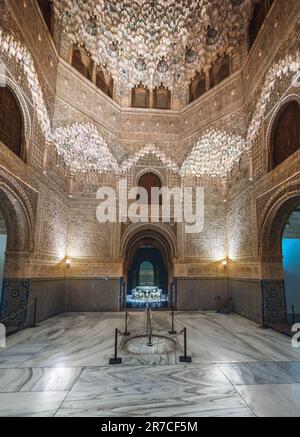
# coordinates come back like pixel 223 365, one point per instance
pixel 291 265
pixel 147 279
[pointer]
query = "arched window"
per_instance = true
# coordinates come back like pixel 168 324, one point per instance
pixel 220 71
pixel 197 87
pixel 140 97
pixel 11 123
pixel 46 8
pixel 260 12
pixel 285 140
pixel 148 181
pixel 104 82
pixel 146 273
pixel 161 98
pixel 82 62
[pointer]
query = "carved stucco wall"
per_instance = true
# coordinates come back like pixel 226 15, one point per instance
pixel 68 226
pixel 210 244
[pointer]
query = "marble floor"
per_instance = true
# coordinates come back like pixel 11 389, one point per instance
pixel 60 368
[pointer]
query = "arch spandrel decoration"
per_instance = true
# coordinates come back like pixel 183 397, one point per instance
pixel 19 236
pixel 149 151
pixel 142 230
pixel 277 210
pixel 19 214
pixel 288 65
pixel 20 54
pixel 153 170
pixel 274 218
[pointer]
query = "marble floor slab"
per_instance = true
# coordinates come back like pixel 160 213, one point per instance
pixel 26 348
pixel 11 361
pixel 222 402
pixel 215 338
pixel 87 341
pixel 15 355
pixel 38 380
pixel 29 404
pixel 274 400
pixel 176 378
pixel 212 338
pixel 60 368
pixel 154 391
pixel 262 373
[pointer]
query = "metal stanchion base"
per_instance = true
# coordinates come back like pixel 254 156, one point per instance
pixel 172 332
pixel 113 361
pixel 185 359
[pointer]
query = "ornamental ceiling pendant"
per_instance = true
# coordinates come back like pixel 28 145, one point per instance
pixel 154 42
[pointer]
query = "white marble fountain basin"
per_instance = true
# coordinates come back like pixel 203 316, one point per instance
pixel 160 345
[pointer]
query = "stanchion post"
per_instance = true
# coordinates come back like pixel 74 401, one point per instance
pixel 172 332
pixel 116 360
pixel 149 328
pixel 126 333
pixel 185 358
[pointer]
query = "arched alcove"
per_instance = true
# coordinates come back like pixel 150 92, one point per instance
pixel 220 70
pixel 198 87
pixel 82 62
pixel 147 276
pixel 11 122
pixel 140 97
pixel 16 220
pixel 155 244
pixel 47 11
pixel 260 11
pixel 285 134
pixel 148 181
pixel 271 250
pixel 161 98
pixel 104 82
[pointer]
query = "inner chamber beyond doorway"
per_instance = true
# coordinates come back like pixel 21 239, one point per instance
pixel 291 265
pixel 147 279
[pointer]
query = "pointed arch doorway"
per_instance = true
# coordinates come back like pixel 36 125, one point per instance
pixel 147 277
pixel 279 251
pixel 148 254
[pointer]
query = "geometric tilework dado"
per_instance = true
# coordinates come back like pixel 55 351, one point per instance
pixel 14 302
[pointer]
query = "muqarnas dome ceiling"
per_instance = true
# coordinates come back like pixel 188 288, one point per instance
pixel 156 42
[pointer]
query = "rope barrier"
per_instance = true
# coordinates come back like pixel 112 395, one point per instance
pixel 150 328
pixel 156 329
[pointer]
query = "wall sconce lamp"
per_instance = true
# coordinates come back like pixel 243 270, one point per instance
pixel 224 263
pixel 68 263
